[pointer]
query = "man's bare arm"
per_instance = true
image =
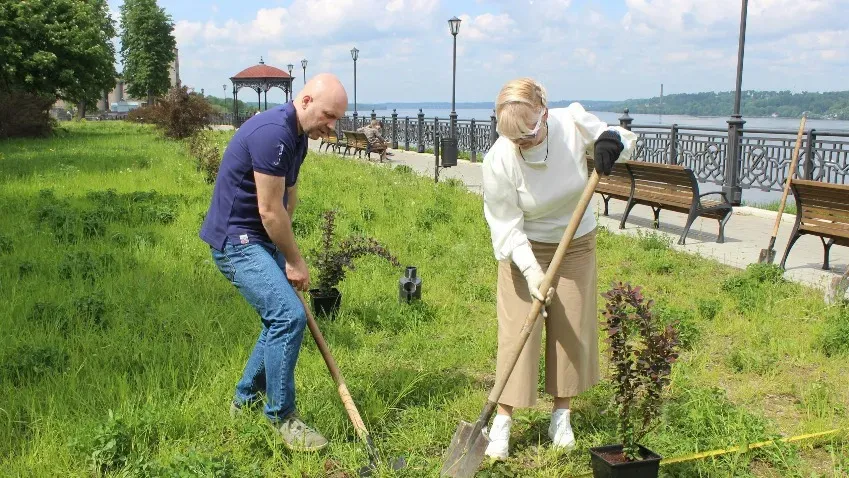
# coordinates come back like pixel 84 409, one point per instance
pixel 276 221
pixel 292 200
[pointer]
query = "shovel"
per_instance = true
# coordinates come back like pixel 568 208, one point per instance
pixel 464 455
pixel 768 255
pixel 347 400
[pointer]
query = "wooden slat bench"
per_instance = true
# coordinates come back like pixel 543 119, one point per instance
pixel 356 141
pixel 674 188
pixel 331 141
pixel 822 210
pixel 616 185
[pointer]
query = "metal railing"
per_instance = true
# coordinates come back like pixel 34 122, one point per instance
pixel 735 157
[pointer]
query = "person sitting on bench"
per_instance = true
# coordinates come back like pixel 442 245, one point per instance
pixel 373 132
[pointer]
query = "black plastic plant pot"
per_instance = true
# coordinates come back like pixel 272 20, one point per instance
pixel 608 462
pixel 326 305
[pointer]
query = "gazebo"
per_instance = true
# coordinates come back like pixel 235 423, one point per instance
pixel 260 78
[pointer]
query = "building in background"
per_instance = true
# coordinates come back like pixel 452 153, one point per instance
pixel 117 100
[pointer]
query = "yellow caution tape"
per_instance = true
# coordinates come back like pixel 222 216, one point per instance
pixel 741 448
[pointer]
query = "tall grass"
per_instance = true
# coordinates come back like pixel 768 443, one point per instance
pixel 121 342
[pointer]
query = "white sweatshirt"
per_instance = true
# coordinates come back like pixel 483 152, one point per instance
pixel 534 198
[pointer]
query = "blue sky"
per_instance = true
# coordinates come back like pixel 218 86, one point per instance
pixel 579 49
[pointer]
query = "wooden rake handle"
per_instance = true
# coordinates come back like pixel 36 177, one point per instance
pixel 793 162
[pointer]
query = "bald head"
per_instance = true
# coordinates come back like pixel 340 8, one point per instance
pixel 320 103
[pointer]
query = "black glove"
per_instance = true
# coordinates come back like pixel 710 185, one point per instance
pixel 607 149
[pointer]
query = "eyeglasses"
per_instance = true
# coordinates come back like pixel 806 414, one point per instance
pixel 536 129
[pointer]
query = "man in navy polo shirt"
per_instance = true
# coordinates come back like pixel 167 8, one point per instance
pixel 249 231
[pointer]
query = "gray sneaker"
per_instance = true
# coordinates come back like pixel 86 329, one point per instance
pixel 297 435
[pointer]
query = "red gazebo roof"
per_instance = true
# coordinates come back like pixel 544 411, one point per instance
pixel 260 71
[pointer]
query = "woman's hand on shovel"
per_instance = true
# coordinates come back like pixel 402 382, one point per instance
pixel 534 276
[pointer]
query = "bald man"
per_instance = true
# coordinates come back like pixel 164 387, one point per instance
pixel 249 232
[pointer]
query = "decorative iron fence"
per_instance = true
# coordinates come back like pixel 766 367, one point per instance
pixel 764 154
pixel 420 134
pixel 735 157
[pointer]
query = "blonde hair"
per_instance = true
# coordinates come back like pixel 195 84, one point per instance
pixel 519 103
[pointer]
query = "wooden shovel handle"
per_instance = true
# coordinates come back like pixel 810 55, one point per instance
pixel 793 162
pixel 344 394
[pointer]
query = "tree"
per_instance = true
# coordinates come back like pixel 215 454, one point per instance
pixel 57 48
pixel 147 48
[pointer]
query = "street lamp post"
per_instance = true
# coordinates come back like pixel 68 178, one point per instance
pixel 290 66
pixel 731 186
pixel 355 54
pixel 304 64
pixel 454 25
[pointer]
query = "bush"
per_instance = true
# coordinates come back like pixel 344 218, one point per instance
pixel 207 154
pixel 25 115
pixel 178 115
pixel 146 114
pixel 332 259
pixel 642 351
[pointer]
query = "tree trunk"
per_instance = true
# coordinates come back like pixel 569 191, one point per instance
pixel 149 97
pixel 81 109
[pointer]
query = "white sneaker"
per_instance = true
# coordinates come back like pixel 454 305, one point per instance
pixel 499 437
pixel 560 430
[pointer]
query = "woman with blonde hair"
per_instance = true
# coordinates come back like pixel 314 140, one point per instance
pixel 533 177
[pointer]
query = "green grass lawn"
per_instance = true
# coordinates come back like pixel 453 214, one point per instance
pixel 121 342
pixel 789 206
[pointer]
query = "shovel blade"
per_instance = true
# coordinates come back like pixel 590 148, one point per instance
pixel 466 452
pixel 767 256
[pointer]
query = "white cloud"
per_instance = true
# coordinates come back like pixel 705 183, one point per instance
pixel 577 50
pixel 584 56
pixel 186 32
pixel 677 56
pixel 487 27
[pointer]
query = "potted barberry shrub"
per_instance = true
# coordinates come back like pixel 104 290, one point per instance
pixel 642 351
pixel 333 260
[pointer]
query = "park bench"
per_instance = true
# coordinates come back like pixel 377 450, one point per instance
pixel 822 210
pixel 673 188
pixel 358 141
pixel 330 140
pixel 355 141
pixel 616 185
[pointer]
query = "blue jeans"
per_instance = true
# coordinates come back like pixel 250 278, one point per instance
pixel 259 272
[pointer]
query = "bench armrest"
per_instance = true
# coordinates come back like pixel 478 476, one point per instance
pixel 721 193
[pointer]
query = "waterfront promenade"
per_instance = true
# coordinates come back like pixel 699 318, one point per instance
pixel 746 233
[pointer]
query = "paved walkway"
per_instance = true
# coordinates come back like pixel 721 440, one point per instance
pixel 747 232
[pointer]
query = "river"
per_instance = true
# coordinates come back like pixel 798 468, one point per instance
pixel 749 195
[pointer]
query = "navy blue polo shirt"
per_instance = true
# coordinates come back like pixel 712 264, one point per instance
pixel 269 143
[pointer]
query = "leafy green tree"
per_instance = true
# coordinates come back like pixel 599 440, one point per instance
pixel 57 48
pixel 147 48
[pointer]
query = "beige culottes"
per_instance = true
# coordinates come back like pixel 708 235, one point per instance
pixel 571 351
